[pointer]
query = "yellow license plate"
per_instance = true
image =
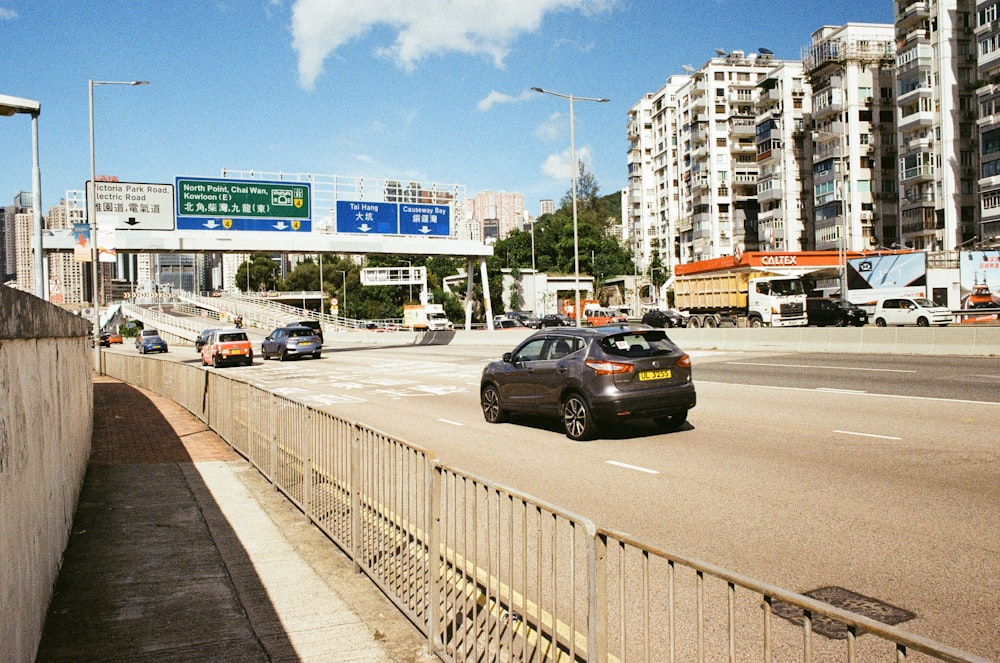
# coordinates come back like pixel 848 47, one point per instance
pixel 655 375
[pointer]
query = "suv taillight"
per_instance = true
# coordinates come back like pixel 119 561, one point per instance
pixel 609 367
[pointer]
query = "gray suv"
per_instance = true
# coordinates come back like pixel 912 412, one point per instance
pixel 292 341
pixel 591 377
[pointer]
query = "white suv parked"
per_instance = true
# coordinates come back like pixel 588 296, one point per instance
pixel 911 311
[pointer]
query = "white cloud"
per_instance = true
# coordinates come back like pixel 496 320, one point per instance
pixel 558 166
pixel 7 14
pixel 423 27
pixel 495 97
pixel 554 127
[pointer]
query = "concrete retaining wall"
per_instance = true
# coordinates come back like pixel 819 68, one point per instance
pixel 46 421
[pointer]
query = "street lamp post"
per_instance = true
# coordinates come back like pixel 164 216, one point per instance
pixel 344 281
pixel 572 148
pixel 92 215
pixel 10 106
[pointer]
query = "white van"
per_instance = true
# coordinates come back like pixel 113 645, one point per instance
pixel 911 311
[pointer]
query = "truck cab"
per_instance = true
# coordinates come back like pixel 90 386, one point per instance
pixel 776 301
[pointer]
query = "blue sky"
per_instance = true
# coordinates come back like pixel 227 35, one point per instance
pixel 426 90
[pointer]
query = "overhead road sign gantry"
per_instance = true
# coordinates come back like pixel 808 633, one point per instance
pixel 243 205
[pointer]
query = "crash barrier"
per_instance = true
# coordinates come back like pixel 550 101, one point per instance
pixel 488 573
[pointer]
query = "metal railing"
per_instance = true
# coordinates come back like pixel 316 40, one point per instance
pixel 491 574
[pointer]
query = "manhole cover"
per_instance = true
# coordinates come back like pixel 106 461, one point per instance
pixel 844 599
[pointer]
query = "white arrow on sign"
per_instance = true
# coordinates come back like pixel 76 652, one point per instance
pixel 425 229
pixel 280 225
pixel 211 224
pixel 364 227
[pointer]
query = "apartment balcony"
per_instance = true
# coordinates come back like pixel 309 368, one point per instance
pixel 922 91
pixel 699 183
pixel 742 127
pixel 918 143
pixel 924 173
pixel 911 14
pixel 916 120
pixel 773 192
pixel 833 109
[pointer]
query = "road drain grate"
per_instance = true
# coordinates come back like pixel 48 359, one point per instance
pixel 844 599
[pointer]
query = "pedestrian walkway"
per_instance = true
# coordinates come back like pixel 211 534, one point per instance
pixel 181 551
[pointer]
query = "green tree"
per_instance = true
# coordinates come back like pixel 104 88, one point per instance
pixel 259 273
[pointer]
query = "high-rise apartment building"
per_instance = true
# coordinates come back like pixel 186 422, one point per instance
pixel 717 125
pixel 546 206
pixel 652 209
pixel 988 92
pixel 936 121
pixel 499 213
pixel 853 184
pixel 783 107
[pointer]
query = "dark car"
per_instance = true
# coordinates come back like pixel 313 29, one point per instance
pixel 555 320
pixel 151 343
pixel 523 317
pixel 664 318
pixel 591 377
pixel 311 324
pixel 202 338
pixel 823 311
pixel 292 341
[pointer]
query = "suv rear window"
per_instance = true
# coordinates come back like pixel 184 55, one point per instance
pixel 637 344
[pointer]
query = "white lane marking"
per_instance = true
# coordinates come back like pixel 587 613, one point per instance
pixel 631 467
pixel 867 394
pixel 842 391
pixel 881 437
pixel 449 421
pixel 830 368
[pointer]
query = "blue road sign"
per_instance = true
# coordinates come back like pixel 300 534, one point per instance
pixel 366 217
pixel 378 218
pixel 427 220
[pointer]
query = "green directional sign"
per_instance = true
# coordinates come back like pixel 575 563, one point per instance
pixel 220 204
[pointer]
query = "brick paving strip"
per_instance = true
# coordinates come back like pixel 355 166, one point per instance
pixel 181 551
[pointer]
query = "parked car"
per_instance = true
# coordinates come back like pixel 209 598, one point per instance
pixel 911 311
pixel 151 343
pixel 598 317
pixel 663 318
pixel 823 311
pixel 291 341
pixel 555 320
pixel 311 324
pixel 142 333
pixel 591 377
pixel 227 346
pixel 508 323
pixel 522 317
pixel 199 342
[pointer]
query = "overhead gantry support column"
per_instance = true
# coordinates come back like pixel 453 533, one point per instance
pixel 487 301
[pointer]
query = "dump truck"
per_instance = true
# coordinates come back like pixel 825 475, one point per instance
pixel 426 317
pixel 740 299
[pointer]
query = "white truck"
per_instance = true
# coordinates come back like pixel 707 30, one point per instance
pixel 741 299
pixel 426 317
